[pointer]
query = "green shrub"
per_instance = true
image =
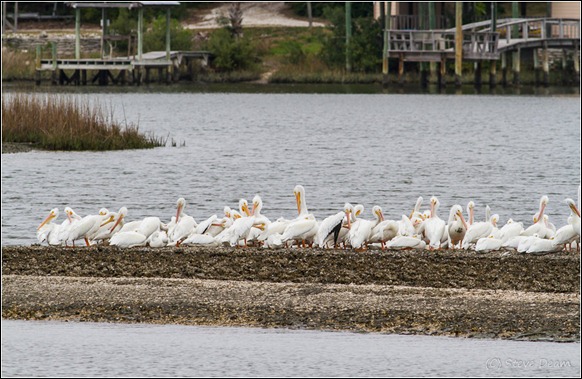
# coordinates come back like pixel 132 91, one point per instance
pixel 232 53
pixel 155 38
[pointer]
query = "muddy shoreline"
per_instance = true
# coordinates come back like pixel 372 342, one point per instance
pixel 494 295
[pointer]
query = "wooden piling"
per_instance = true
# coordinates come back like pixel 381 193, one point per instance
pixel 492 73
pixel 401 69
pixel 442 80
pixel 516 66
pixel 564 66
pixel 477 67
pixel 576 58
pixel 458 43
pixel 546 65
pixel 537 66
pixel 504 69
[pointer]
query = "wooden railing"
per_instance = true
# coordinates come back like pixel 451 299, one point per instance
pixel 476 45
pixel 535 28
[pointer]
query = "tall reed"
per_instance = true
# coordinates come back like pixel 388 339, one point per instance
pixel 60 122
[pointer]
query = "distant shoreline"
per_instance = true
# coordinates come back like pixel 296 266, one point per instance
pixel 443 293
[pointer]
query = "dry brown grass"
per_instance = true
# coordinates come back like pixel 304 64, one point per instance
pixel 59 122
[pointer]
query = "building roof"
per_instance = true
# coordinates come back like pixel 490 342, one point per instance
pixel 120 4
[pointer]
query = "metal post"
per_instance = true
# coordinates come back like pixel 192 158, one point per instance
pixel 78 33
pixel 422 10
pixel 309 14
pixel 348 35
pixel 458 43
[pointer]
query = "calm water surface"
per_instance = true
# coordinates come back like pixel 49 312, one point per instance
pixel 32 348
pixel 374 149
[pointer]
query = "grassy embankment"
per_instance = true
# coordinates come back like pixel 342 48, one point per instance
pixel 56 122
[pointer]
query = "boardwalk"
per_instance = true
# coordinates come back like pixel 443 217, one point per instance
pixel 121 69
pixel 480 43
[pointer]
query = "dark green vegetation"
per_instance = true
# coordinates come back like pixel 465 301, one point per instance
pixel 63 123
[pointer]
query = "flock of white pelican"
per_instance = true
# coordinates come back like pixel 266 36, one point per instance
pixel 345 229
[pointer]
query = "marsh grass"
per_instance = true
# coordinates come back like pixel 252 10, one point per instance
pixel 58 122
pixel 17 65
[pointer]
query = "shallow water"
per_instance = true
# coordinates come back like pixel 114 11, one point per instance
pixel 33 348
pixel 374 149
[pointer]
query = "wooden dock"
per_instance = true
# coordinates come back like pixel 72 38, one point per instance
pixel 480 43
pixel 118 70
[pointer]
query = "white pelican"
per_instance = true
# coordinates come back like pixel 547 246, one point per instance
pixel 304 227
pixel 86 227
pixel 511 229
pixel 475 232
pixel 299 193
pixel 525 243
pixel 551 228
pixel 45 229
pixel 201 239
pixel 539 227
pixel 542 246
pixel 65 227
pixel 513 242
pixel 456 226
pixel 471 212
pixel 434 226
pixel 128 239
pixel 158 238
pixel 240 227
pixel 487 244
pixel 416 211
pixel 118 225
pixel 385 230
pixel 361 231
pixel 495 232
pixel 405 226
pixel 185 225
pixel 569 232
pixel 260 222
pixel 406 242
pixel 329 230
pixel 205 225
pixel 275 227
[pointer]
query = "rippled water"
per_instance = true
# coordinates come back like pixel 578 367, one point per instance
pixel 32 348
pixel 374 149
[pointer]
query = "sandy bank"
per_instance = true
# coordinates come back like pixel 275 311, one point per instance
pixel 445 293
